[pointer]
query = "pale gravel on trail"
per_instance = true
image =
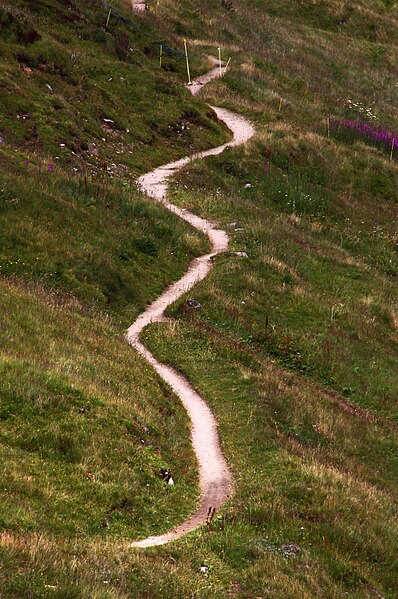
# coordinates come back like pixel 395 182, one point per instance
pixel 138 5
pixel 215 478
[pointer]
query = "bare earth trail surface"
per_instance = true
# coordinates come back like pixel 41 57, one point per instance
pixel 215 478
pixel 138 5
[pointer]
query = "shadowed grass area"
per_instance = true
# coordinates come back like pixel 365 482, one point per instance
pixel 91 97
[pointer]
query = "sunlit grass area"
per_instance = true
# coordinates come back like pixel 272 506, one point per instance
pixel 86 427
pixel 311 498
pixel 317 289
pixel 102 243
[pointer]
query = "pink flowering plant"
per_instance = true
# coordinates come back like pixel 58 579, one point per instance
pixel 350 131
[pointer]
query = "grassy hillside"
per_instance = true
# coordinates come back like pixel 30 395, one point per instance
pixel 104 244
pixel 91 97
pixel 295 346
pixel 85 426
pixel 79 119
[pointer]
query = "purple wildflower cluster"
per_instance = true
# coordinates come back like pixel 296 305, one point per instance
pixel 368 132
pixel 48 167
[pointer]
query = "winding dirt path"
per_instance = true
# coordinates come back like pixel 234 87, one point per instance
pixel 215 478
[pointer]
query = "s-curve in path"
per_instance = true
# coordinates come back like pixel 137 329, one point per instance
pixel 215 478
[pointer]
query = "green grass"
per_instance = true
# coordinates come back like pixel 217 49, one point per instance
pixel 105 245
pixel 319 298
pixel 109 109
pixel 307 474
pixel 86 426
pixel 294 347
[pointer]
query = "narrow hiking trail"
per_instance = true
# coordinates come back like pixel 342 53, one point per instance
pixel 215 478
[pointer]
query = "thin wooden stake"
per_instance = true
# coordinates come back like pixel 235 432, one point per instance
pixel 227 65
pixel 280 104
pixel 392 148
pixel 187 59
pixel 219 59
pixel 109 16
pixel 160 55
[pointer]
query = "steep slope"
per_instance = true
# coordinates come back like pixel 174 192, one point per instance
pixel 86 429
pixel 215 477
pixel 295 346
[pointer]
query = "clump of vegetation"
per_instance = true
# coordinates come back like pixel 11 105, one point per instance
pixel 348 130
